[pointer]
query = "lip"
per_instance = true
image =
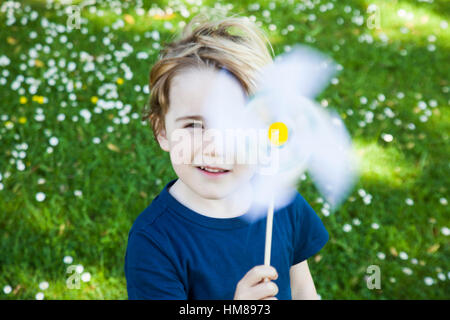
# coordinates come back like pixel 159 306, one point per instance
pixel 213 174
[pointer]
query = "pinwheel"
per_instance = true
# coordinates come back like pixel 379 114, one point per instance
pixel 298 134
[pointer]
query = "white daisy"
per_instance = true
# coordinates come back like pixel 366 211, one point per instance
pixel 428 281
pixel 86 277
pixel 40 196
pixel 403 255
pixel 54 141
pixel 7 289
pixel 43 285
pixel 68 260
pixel 347 227
pixel 39 296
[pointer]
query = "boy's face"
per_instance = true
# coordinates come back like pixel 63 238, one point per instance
pixel 186 138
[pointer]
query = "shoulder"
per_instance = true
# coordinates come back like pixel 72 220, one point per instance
pixel 299 205
pixel 302 212
pixel 151 216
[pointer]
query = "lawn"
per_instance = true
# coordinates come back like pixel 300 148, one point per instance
pixel 77 163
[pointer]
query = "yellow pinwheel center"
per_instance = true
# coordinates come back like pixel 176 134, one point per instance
pixel 278 133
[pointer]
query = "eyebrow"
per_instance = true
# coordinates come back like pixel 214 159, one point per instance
pixel 192 117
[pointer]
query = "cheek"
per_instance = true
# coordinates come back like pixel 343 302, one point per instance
pixel 181 147
pixel 244 171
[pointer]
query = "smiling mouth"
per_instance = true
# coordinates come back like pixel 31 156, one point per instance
pixel 213 170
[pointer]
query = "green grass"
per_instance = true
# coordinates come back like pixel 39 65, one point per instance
pixel 397 68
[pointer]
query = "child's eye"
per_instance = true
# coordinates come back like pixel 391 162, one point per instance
pixel 194 125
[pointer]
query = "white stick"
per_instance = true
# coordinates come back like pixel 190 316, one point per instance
pixel 269 233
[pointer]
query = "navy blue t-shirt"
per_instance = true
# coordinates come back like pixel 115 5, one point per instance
pixel 174 252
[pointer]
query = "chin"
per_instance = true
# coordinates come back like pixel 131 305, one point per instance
pixel 213 193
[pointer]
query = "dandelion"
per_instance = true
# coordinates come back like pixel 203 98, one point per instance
pixel 94 99
pixel 22 120
pixel 23 100
pixel 119 81
pixel 40 196
pixel 38 99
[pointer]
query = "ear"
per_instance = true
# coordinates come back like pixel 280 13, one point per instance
pixel 162 140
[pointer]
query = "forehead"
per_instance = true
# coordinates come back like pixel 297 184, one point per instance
pixel 197 91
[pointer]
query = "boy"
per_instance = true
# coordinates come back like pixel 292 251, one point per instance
pixel 194 241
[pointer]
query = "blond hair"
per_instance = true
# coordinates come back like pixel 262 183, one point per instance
pixel 206 42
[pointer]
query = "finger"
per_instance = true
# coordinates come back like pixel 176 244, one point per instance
pixel 258 273
pixel 263 290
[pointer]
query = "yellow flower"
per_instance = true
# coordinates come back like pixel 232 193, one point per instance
pixel 22 120
pixel 94 99
pixel 23 100
pixel 164 16
pixel 9 125
pixel 38 99
pixel 119 81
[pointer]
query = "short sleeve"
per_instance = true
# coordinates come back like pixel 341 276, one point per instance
pixel 149 272
pixel 310 233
